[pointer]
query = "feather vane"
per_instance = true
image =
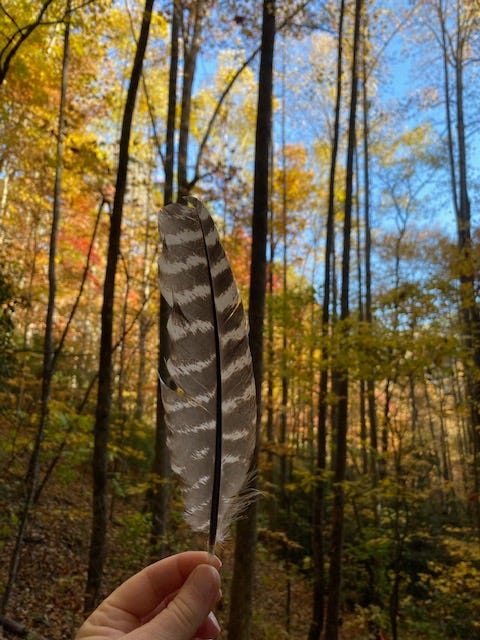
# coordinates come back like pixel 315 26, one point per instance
pixel 209 396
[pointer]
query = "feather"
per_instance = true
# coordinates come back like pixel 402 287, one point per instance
pixel 209 396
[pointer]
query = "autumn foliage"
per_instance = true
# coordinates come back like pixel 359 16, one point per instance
pixel 407 351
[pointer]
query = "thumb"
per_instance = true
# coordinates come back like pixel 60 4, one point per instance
pixel 191 606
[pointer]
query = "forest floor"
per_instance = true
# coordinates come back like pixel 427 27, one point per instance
pixel 48 595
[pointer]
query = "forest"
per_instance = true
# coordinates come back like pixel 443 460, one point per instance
pixel 336 145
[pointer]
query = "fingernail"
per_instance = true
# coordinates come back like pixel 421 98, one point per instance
pixel 214 621
pixel 214 561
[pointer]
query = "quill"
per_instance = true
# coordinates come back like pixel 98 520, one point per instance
pixel 209 396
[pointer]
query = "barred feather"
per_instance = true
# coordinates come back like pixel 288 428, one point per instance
pixel 209 398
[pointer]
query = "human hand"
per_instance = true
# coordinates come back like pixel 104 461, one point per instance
pixel 169 600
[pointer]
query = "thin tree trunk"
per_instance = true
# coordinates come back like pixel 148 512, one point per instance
pixel 172 106
pixel 57 456
pixel 372 410
pixel 145 322
pixel 142 357
pixel 270 352
pixel 161 461
pixel 98 549
pixel 444 445
pixel 448 112
pixel 341 376
pixel 470 308
pixel 318 544
pixel 362 391
pixel 32 249
pixel 120 414
pixel 284 358
pixel 285 459
pixel 31 480
pixel 191 48
pixel 241 600
pixel 161 464
pixel 458 171
pixel 433 434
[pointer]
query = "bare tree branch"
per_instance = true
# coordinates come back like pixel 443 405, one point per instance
pixel 226 91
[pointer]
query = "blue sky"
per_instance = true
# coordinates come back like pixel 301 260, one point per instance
pixel 406 93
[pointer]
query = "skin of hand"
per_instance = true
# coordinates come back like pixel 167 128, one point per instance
pixel 171 599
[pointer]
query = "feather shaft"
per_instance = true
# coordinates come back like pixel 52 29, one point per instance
pixel 217 464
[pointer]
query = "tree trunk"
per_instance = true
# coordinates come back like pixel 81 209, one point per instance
pixel 362 391
pixel 118 435
pixel 191 46
pixel 240 620
pixel 284 476
pixel 98 548
pixel 318 544
pixel 145 320
pixel 48 346
pixel 471 312
pixel 341 376
pixel 172 106
pixel 269 475
pixel 55 459
pixel 161 463
pixel 454 45
pixel 372 410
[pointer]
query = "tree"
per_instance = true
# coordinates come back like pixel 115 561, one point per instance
pixel 104 398
pixel 172 105
pixel 240 618
pixel 19 34
pixel 161 467
pixel 191 34
pixel 458 22
pixel 7 307
pixel 50 355
pixel 317 622
pixel 340 378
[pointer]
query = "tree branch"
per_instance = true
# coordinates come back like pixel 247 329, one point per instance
pixel 11 626
pixel 22 34
pixel 226 91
